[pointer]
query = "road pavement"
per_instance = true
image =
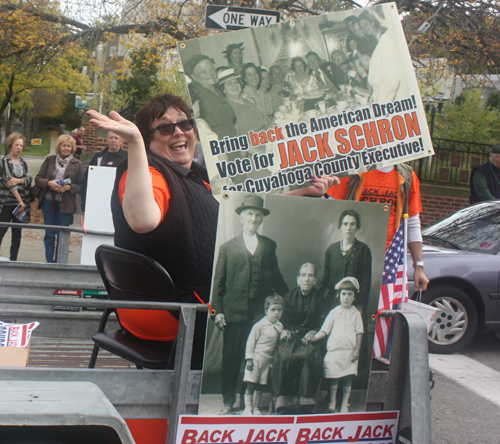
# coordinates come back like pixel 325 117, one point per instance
pixel 465 401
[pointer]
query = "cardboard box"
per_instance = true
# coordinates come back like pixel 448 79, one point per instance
pixel 15 356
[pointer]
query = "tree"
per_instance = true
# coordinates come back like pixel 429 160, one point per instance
pixel 32 56
pixel 42 48
pixel 493 100
pixel 468 119
pixel 142 76
pixel 465 33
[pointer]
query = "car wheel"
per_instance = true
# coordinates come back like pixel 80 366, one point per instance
pixel 455 324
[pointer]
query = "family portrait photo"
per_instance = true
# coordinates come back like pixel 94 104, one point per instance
pixel 293 295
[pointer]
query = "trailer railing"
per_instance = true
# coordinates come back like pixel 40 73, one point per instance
pixel 403 386
pixel 63 236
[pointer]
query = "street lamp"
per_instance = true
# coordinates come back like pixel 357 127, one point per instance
pixel 430 105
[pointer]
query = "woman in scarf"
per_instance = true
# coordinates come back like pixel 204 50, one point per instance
pixel 59 178
pixel 15 190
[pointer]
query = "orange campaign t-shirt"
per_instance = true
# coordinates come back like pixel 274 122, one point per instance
pixel 383 187
pixel 153 325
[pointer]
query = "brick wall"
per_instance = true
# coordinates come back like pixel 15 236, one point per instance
pixel 438 202
pixel 89 136
pixel 92 142
pixel 437 207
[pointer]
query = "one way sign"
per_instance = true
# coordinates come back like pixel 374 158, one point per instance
pixel 232 18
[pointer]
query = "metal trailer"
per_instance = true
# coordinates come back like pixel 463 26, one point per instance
pixel 403 386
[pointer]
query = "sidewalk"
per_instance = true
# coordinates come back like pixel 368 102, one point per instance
pixel 32 246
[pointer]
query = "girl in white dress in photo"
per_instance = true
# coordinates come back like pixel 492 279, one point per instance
pixel 344 328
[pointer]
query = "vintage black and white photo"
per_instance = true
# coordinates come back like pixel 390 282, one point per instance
pixel 295 283
pixel 319 95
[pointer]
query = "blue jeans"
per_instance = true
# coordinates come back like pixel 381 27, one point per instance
pixel 53 216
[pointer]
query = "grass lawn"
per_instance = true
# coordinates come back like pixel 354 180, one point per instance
pixel 35 150
pixel 38 150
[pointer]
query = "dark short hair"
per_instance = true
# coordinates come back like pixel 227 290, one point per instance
pixel 274 68
pixel 295 60
pixel 155 109
pixel 367 16
pixel 273 299
pixel 351 37
pixel 244 69
pixel 352 213
pixel 348 286
pixel 351 18
pixel 312 53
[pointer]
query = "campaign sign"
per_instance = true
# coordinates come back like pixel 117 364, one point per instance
pixel 280 104
pixel 370 427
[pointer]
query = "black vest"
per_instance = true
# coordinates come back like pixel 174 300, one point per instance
pixel 184 242
pixel 492 179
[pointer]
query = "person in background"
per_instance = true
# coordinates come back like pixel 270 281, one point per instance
pixel 339 59
pixel 111 156
pixel 396 185
pixel 348 257
pixel 78 136
pixel 251 77
pixel 246 272
pixel 15 185
pixel 59 179
pixel 327 73
pixel 248 116
pixel 352 23
pixel 280 88
pixel 234 55
pixel 208 102
pixel 304 85
pixel 265 87
pixel 485 179
pixel 344 329
pixel 352 44
pixel 385 75
pixel 259 353
pixel 297 367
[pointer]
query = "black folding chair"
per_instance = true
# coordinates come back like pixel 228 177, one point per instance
pixel 130 276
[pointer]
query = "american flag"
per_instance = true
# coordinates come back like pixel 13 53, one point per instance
pixel 392 288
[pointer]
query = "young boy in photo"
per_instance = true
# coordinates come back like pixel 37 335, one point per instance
pixel 261 344
pixel 344 328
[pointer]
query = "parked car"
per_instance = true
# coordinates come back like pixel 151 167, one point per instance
pixel 461 256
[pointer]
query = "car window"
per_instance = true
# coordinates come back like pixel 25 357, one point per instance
pixel 476 228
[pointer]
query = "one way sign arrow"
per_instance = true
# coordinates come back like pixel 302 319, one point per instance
pixel 232 18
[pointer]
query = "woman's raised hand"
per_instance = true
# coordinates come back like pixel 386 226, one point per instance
pixel 117 124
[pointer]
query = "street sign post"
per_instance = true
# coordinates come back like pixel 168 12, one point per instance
pixel 233 18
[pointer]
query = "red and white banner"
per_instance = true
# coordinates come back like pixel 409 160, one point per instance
pixel 16 335
pixel 369 427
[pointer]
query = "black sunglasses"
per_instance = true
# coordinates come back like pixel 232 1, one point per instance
pixel 167 129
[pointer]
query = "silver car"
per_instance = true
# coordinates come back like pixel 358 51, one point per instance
pixel 461 255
